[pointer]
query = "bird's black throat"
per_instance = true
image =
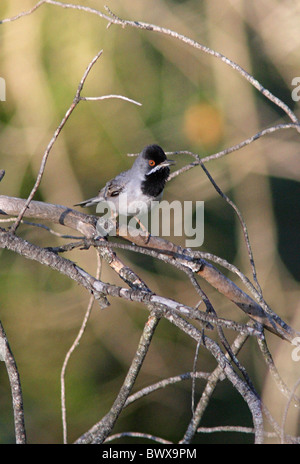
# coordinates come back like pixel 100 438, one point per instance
pixel 154 184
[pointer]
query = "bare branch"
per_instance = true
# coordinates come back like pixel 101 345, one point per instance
pixel 226 368
pixel 226 151
pixel 86 224
pixel 209 389
pixel 99 432
pixel 165 383
pixel 112 18
pixel 292 395
pixel 192 263
pixel 205 49
pixel 15 385
pixel 70 352
pixel 106 97
pixel 233 428
pixel 137 435
pixel 55 3
pixel 262 343
pixel 53 140
pixel 57 214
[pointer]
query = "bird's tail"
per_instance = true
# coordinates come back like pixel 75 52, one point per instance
pixel 89 202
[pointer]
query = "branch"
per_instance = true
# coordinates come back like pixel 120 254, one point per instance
pixel 70 352
pixel 164 383
pixel 192 263
pixel 86 224
pixel 262 343
pixel 58 214
pixel 283 435
pixel 226 151
pixel 100 289
pixel 111 18
pixel 146 436
pixel 15 385
pixel 226 369
pixel 233 428
pixel 99 432
pixel 52 141
pixel 209 389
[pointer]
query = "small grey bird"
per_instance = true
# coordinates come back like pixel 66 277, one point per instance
pixel 131 192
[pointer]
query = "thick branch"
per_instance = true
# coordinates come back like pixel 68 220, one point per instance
pixel 86 224
pixel 51 213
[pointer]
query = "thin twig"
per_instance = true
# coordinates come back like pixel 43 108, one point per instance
pixel 165 383
pixel 6 355
pixel 283 329
pixel 233 428
pixel 70 352
pixel 284 417
pixel 55 3
pixel 209 389
pixel 54 138
pixel 224 367
pixel 162 30
pixel 194 372
pixel 105 97
pixel 242 222
pixel 146 436
pixel 48 229
pixel 262 343
pixel 226 151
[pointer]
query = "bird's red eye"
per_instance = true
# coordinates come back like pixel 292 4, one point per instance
pixel 151 163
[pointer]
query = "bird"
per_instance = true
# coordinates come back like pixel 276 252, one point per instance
pixel 133 192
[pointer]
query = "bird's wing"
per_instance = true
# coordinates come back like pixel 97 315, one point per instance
pixel 114 187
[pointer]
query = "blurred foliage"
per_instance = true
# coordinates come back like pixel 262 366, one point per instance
pixel 190 101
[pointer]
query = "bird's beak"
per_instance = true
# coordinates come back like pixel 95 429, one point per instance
pixel 167 162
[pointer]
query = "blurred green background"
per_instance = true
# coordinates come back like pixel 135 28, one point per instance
pixel 190 101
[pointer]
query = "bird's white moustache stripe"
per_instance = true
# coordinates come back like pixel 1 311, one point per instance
pixel 156 168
